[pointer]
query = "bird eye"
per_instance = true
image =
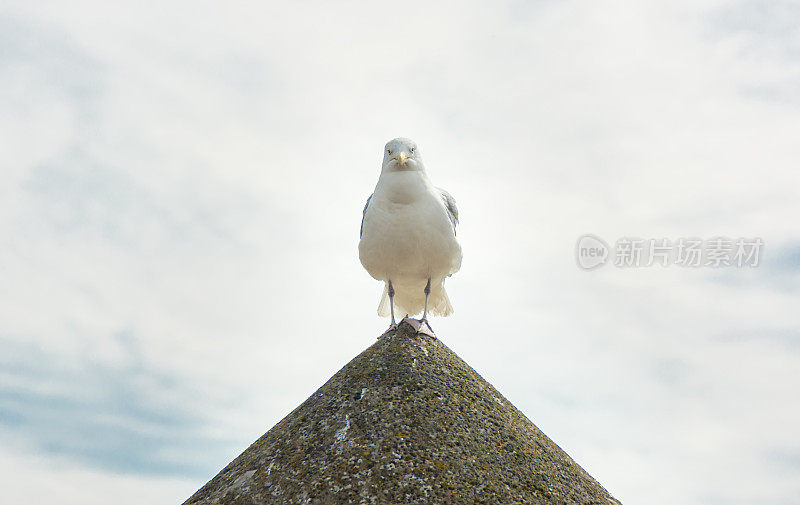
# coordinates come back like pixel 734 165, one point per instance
pixel 412 149
pixel 389 151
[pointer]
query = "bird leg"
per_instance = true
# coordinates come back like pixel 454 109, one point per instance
pixel 424 320
pixel 391 305
pixel 427 293
pixel 392 326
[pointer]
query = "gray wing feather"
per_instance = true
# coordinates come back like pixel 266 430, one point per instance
pixel 363 215
pixel 450 204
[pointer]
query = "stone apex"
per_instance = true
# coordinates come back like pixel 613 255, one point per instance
pixel 406 421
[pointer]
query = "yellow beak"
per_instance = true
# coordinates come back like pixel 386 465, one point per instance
pixel 401 158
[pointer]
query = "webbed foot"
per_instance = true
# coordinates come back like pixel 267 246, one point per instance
pixel 420 326
pixel 392 327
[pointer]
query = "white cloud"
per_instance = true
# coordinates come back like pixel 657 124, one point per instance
pixel 192 176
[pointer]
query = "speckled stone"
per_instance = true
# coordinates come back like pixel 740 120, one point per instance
pixel 406 421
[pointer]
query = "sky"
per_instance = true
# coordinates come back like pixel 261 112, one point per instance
pixel 181 194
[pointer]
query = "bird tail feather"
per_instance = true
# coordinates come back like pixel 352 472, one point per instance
pixel 383 307
pixel 438 303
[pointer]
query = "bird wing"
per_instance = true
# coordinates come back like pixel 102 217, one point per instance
pixel 363 215
pixel 450 204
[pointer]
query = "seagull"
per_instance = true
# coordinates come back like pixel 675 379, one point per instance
pixel 408 236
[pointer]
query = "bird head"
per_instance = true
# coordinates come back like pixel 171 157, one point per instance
pixel 401 154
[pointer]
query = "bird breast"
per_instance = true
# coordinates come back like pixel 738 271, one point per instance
pixel 407 233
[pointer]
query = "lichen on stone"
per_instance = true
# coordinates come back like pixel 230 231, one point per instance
pixel 406 421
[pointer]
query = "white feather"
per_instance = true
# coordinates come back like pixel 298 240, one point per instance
pixel 408 236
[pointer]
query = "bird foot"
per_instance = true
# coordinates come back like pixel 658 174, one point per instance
pixel 420 326
pixel 425 327
pixel 392 327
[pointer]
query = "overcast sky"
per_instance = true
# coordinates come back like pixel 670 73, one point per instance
pixel 181 193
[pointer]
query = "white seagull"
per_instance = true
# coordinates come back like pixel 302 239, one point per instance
pixel 408 236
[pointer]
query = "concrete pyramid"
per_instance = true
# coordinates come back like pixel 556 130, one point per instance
pixel 406 421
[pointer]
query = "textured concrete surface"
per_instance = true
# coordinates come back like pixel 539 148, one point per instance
pixel 406 421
